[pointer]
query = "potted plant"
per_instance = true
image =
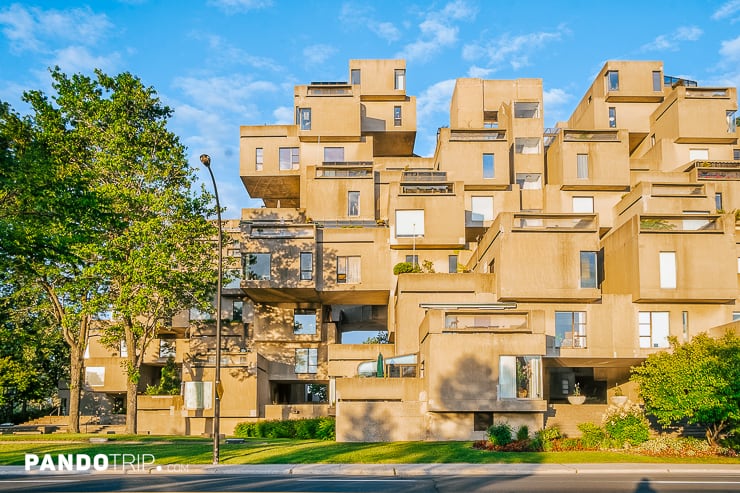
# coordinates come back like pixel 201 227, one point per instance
pixel 576 397
pixel 618 398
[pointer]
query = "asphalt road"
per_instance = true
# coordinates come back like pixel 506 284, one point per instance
pixel 602 482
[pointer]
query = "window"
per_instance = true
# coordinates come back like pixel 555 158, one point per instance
pixel 198 395
pixel 731 125
pixel 333 154
pixel 353 203
pixel 288 158
pixel 412 259
pixel 167 348
pixel 481 208
pixel 736 154
pixel 256 266
pixel 698 154
pixel 258 158
pixel 612 117
pixel 657 81
pixel 527 145
pixel 95 376
pixel 490 119
pixel 583 204
pixel 409 223
pixel 718 201
pixel 123 349
pixel 652 140
pixel 348 270
pixel 304 118
pixel 526 110
pixel 237 310
pixel 399 79
pixel 306 360
pixel 397 116
pixel 570 329
pixel 735 316
pixel 582 166
pixel 612 80
pixel 738 265
pixel 529 181
pixel 304 321
pixel 488 169
pixel 589 275
pixel 482 421
pixel 520 376
pixel 354 76
pixel 452 264
pixel 667 270
pixel 653 329
pixel 306 266
pixel 685 324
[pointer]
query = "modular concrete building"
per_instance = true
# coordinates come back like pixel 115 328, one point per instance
pixel 540 258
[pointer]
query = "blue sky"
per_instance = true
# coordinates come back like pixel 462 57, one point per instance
pixel 220 64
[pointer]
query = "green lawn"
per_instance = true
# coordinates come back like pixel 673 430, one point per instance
pixel 191 450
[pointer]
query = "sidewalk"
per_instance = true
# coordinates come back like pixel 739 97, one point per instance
pixel 405 470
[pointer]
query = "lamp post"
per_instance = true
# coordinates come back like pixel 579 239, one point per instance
pixel 206 160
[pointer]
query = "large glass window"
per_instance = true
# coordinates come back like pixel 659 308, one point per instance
pixel 304 118
pixel 256 266
pixel 306 360
pixel 333 154
pixel 582 166
pixel 612 80
pixel 489 170
pixel 304 321
pixel 167 348
pixel 654 329
pixel 348 270
pixel 520 377
pixel 570 329
pixel 667 270
pixel 258 158
pixel 589 276
pixel 306 266
pixel 612 117
pixel 583 205
pixel 481 208
pixel 399 79
pixel 289 158
pixel 409 223
pixel 353 203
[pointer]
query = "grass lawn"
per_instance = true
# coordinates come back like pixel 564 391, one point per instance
pixel 192 450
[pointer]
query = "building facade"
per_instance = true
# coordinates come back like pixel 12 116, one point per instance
pixel 544 257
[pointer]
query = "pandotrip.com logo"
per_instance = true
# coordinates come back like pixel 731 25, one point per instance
pixel 98 462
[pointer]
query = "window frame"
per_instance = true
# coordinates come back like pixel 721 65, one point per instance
pixel 578 202
pixel 306 273
pixel 345 264
pixel 310 355
pixel 397 116
pixel 259 158
pixel 612 80
pixel 355 76
pixel 667 269
pixel 657 81
pixel 405 229
pixel 259 255
pixel 353 199
pixel 299 314
pixel 647 329
pixel 293 161
pixel 578 325
pixel 582 166
pixel 399 79
pixel 589 260
pixel 612 117
pixel 304 118
pixel 489 165
pixel 484 213
pixel 452 264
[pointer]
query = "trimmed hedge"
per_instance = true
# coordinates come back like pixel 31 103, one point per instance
pixel 303 429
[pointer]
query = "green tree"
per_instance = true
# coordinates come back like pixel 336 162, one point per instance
pixel 137 245
pixel 698 381
pixel 380 338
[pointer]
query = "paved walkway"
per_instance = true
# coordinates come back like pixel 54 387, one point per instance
pixel 410 469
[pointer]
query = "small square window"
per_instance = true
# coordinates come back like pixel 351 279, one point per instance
pixel 304 321
pixel 482 421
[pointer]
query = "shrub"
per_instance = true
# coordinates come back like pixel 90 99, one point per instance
pixel 405 267
pixel 666 445
pixel 626 424
pixel 522 433
pixel 303 429
pixel 592 435
pixel 245 430
pixel 326 429
pixel 544 438
pixel 500 434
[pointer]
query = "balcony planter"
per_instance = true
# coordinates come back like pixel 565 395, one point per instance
pixel 577 399
pixel 619 400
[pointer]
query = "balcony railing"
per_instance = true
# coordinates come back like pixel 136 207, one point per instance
pixel 707 93
pixel 677 190
pixel 477 135
pixel 562 222
pixel 677 81
pixel 510 322
pixel 280 231
pixel 688 223
pixel 418 189
pixel 591 136
pixel 423 176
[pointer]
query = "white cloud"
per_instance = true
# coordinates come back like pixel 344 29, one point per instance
pixel 355 14
pixel 32 28
pixel 317 54
pixel 437 31
pixel 556 97
pixel 227 54
pixel 727 9
pixel 435 99
pixel 238 6
pixel 665 42
pixel 514 50
pixel 479 72
pixel 73 59
pixel 232 93
pixel 730 50
pixel 283 115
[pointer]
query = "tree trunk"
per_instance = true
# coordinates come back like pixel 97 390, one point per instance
pixel 131 406
pixel 75 381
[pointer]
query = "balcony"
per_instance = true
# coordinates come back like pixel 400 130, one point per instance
pixel 329 89
pixel 591 136
pixel 554 222
pixel 345 169
pixel 277 230
pixel 423 176
pixel 477 135
pixel 487 322
pixel 714 170
pixel 694 223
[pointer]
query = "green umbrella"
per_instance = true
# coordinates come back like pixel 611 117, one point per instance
pixel 379 373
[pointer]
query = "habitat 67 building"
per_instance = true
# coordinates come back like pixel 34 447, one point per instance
pixel 539 258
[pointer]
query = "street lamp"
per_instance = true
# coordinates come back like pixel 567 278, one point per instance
pixel 206 160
